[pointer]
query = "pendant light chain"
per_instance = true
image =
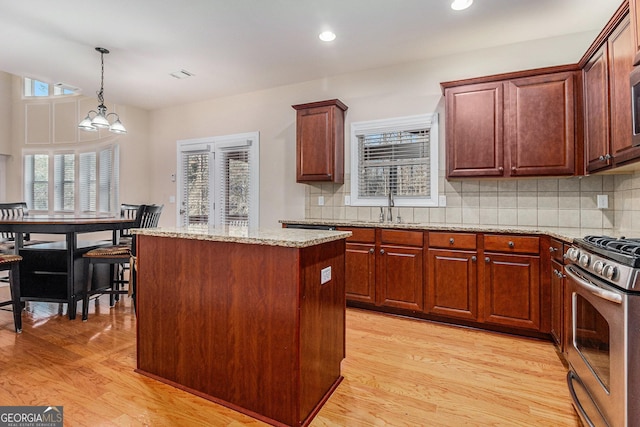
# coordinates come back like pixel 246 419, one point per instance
pixel 101 92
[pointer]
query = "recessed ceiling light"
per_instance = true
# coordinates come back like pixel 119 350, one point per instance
pixel 182 74
pixel 327 36
pixel 461 4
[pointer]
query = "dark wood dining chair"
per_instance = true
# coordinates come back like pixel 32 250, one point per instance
pixel 11 263
pixel 147 216
pixel 7 238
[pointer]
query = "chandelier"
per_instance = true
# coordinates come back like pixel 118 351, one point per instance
pixel 100 118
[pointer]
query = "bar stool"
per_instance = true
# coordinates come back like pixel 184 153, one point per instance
pixel 117 256
pixel 11 263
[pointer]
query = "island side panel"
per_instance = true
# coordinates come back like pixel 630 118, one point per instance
pixel 322 324
pixel 221 319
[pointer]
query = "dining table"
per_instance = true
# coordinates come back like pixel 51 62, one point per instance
pixel 66 252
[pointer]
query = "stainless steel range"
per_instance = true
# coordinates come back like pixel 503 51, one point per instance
pixel 603 348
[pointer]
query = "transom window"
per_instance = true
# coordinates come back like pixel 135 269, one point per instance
pixel 395 156
pixel 35 88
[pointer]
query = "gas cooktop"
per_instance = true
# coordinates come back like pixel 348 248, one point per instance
pixel 621 249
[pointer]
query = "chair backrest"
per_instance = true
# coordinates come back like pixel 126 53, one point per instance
pixel 148 216
pixel 128 211
pixel 12 210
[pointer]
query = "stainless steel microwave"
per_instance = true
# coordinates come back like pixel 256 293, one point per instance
pixel 635 105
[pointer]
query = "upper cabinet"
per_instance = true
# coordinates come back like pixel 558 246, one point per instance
pixel 320 141
pixel 521 124
pixel 634 13
pixel 607 100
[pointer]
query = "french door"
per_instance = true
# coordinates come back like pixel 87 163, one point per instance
pixel 218 181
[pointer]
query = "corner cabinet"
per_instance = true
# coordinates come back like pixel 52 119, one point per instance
pixel 509 127
pixel 607 100
pixel 320 141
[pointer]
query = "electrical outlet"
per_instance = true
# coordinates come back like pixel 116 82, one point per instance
pixel 603 201
pixel 325 275
pixel 347 200
pixel 320 200
pixel 442 201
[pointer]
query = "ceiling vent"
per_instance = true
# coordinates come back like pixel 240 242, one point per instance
pixel 182 74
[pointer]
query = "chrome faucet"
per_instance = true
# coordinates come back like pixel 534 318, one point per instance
pixel 389 206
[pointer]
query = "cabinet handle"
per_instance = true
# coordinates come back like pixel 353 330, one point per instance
pixel 605 157
pixel 474 258
pixel 501 169
pixel 451 240
pixel 381 251
pixel 552 249
pixel 487 260
pixel 371 251
pixel 511 245
pixel 513 169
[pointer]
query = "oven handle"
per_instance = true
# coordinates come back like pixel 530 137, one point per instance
pixel 596 290
pixel 583 415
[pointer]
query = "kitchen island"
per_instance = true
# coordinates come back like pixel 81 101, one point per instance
pixel 251 319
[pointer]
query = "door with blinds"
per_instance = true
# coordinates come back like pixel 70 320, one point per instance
pixel 218 183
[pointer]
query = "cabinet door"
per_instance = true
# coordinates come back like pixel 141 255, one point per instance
pixel 452 288
pixel 512 290
pixel 360 272
pixel 540 125
pixel 621 53
pixel 634 12
pixel 557 303
pixel 399 277
pixel 474 130
pixel 596 110
pixel 315 145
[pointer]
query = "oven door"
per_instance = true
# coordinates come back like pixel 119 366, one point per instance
pixel 596 348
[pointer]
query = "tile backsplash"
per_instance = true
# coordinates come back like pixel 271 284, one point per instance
pixel 557 202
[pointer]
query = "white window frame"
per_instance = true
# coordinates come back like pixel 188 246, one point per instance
pixel 408 123
pixel 51 153
pixel 215 146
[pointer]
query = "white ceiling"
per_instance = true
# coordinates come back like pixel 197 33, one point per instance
pixel 236 46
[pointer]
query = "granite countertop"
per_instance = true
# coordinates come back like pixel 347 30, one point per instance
pixel 292 238
pixel 564 234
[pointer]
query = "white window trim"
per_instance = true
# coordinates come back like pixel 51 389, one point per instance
pixel 216 144
pixel 407 123
pixel 51 152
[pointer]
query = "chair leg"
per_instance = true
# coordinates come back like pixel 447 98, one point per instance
pixel 14 287
pixel 87 289
pixel 114 286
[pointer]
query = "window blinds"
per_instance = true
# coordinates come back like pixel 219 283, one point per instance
pixel 396 162
pixel 87 182
pixel 195 187
pixel 234 195
pixel 64 182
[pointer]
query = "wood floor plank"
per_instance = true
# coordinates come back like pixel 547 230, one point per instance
pixel 398 372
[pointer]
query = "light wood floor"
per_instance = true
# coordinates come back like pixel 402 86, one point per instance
pixel 398 372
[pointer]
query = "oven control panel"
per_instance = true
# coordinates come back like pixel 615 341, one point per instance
pixel 609 270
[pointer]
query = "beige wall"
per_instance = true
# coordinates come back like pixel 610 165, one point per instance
pixel 5 113
pixel 148 152
pixel 405 89
pixel 134 160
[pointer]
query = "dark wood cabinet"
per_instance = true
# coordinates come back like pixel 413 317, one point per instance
pixel 607 100
pixel 452 283
pixel 320 141
pixel 634 14
pixel 556 281
pixel 540 125
pixel 512 293
pixel 474 135
pixel 360 265
pixel 512 290
pixel 384 268
pixel 518 126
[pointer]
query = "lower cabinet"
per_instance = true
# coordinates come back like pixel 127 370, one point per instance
pixel 512 290
pixel 384 267
pixel 476 279
pixel 452 283
pixel 556 284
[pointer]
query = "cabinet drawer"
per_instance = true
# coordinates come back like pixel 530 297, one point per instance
pixel 557 250
pixel 401 237
pixel 512 244
pixel 452 240
pixel 362 235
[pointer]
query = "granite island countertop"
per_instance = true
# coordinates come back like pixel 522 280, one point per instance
pixel 564 234
pixel 292 238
